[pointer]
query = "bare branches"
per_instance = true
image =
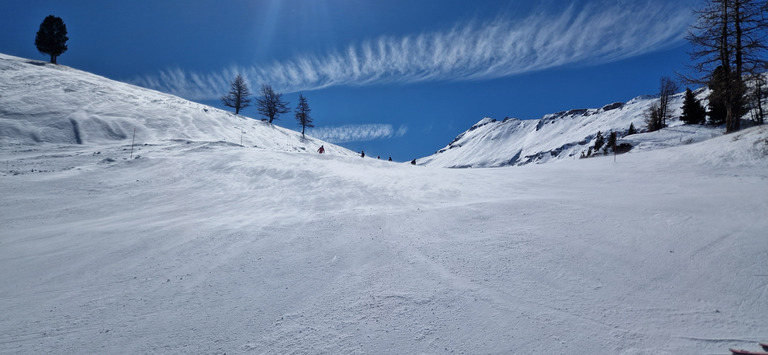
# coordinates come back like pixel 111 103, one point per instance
pixel 271 104
pixel 237 97
pixel 667 88
pixel 731 38
pixel 656 117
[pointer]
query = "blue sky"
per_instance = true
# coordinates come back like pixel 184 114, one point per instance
pixel 397 78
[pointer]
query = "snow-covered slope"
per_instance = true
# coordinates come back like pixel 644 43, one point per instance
pixel 213 248
pixel 203 246
pixel 563 135
pixel 44 103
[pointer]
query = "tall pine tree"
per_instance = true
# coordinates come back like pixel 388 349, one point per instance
pixel 693 111
pixel 612 140
pixel 599 140
pixel 237 97
pixel 302 114
pixel 632 129
pixel 52 38
pixel 717 107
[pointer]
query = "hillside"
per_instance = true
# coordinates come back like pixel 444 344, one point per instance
pixel 206 246
pixel 564 135
pixel 44 103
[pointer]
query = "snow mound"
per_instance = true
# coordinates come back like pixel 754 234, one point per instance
pixel 748 147
pixel 46 103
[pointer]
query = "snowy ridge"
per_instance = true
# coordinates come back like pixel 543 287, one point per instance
pixel 562 135
pixel 44 103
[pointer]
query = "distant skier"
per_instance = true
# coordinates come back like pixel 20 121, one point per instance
pixel 321 150
pixel 413 162
pixel 390 158
pixel 362 154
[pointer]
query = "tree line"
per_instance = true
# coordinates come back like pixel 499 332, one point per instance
pixel 51 39
pixel 269 104
pixel 730 44
pixel 729 41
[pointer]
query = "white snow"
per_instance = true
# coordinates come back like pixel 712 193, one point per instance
pixel 565 135
pixel 44 103
pixel 203 245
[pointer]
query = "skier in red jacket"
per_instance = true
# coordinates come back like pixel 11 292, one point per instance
pixel 321 150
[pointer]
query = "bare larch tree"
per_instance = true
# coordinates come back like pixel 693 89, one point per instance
pixel 271 104
pixel 238 96
pixel 302 114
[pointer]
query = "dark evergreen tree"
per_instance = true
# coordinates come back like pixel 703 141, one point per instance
pixel 717 98
pixel 599 140
pixel 693 111
pixel 632 129
pixel 302 114
pixel 52 38
pixel 238 96
pixel 271 104
pixel 612 140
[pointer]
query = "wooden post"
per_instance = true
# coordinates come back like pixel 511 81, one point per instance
pixel 133 140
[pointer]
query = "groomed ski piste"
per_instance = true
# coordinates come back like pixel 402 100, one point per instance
pixel 196 243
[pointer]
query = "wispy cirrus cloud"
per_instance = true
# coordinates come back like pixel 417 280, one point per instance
pixel 598 33
pixel 357 133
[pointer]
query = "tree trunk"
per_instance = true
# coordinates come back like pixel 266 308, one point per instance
pixel 759 94
pixel 758 97
pixel 729 118
pixel 738 81
pixel 53 59
pixel 725 61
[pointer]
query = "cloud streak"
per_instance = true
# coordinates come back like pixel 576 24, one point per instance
pixel 598 33
pixel 357 133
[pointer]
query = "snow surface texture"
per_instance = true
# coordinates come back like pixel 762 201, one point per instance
pixel 565 135
pixel 200 246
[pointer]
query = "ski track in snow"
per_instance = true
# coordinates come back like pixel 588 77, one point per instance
pixel 212 248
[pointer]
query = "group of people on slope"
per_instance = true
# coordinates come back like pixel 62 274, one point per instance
pixel 321 150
